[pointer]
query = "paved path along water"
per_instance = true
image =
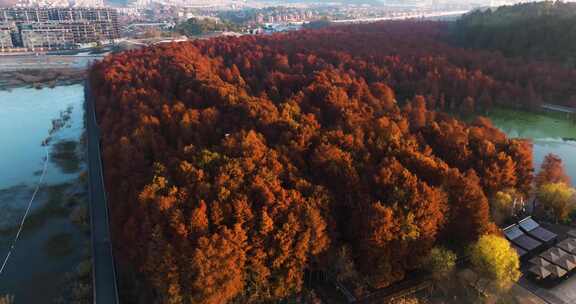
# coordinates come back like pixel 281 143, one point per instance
pixel 104 271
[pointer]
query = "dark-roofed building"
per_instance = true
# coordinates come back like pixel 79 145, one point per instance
pixel 534 230
pixel 521 252
pixel 541 272
pixel 537 247
pixel 520 239
pixel 568 245
pixel 556 271
pixel 50 35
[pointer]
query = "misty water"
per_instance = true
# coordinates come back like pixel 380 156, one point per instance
pixel 549 133
pixel 50 245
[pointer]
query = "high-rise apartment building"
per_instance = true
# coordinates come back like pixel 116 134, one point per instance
pixel 57 28
pixel 49 35
pixel 6 30
pixel 18 14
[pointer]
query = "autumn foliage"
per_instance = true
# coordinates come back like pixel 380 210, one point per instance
pixel 234 165
pixel 552 171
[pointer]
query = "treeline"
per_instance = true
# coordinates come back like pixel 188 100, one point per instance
pixel 197 26
pixel 542 30
pixel 235 165
pixel 317 24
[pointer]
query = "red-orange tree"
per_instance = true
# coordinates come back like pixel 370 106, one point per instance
pixel 233 165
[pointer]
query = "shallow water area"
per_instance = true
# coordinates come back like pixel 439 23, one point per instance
pixel 50 244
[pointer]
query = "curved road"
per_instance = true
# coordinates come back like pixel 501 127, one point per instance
pixel 103 268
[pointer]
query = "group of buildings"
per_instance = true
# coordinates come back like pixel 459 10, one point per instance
pixel 284 17
pixel 41 29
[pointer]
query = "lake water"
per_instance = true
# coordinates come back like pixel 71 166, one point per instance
pixel 549 134
pixel 50 244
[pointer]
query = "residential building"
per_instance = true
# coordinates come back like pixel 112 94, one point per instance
pixel 23 14
pixel 46 35
pixel 6 31
pixel 58 28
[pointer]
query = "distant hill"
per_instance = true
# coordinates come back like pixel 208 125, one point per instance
pixel 542 30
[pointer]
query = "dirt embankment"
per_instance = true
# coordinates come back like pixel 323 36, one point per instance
pixel 41 77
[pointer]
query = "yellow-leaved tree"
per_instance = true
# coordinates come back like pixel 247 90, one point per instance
pixel 493 259
pixel 501 206
pixel 558 198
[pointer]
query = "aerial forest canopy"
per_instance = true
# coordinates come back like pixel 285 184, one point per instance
pixel 542 30
pixel 236 165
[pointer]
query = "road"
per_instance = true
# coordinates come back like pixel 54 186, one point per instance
pixel 23 62
pixel 103 267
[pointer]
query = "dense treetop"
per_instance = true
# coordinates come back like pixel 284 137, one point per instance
pixel 542 30
pixel 235 164
pixel 552 171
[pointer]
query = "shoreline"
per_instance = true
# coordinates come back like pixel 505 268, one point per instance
pixel 39 71
pixel 40 77
pixel 55 240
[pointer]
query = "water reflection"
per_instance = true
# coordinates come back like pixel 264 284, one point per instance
pixel 51 244
pixel 549 134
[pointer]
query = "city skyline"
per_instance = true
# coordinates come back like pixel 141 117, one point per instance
pixel 254 3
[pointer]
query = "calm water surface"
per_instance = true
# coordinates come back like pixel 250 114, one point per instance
pixel 549 134
pixel 50 244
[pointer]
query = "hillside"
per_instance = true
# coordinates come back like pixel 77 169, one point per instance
pixel 236 165
pixel 542 30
